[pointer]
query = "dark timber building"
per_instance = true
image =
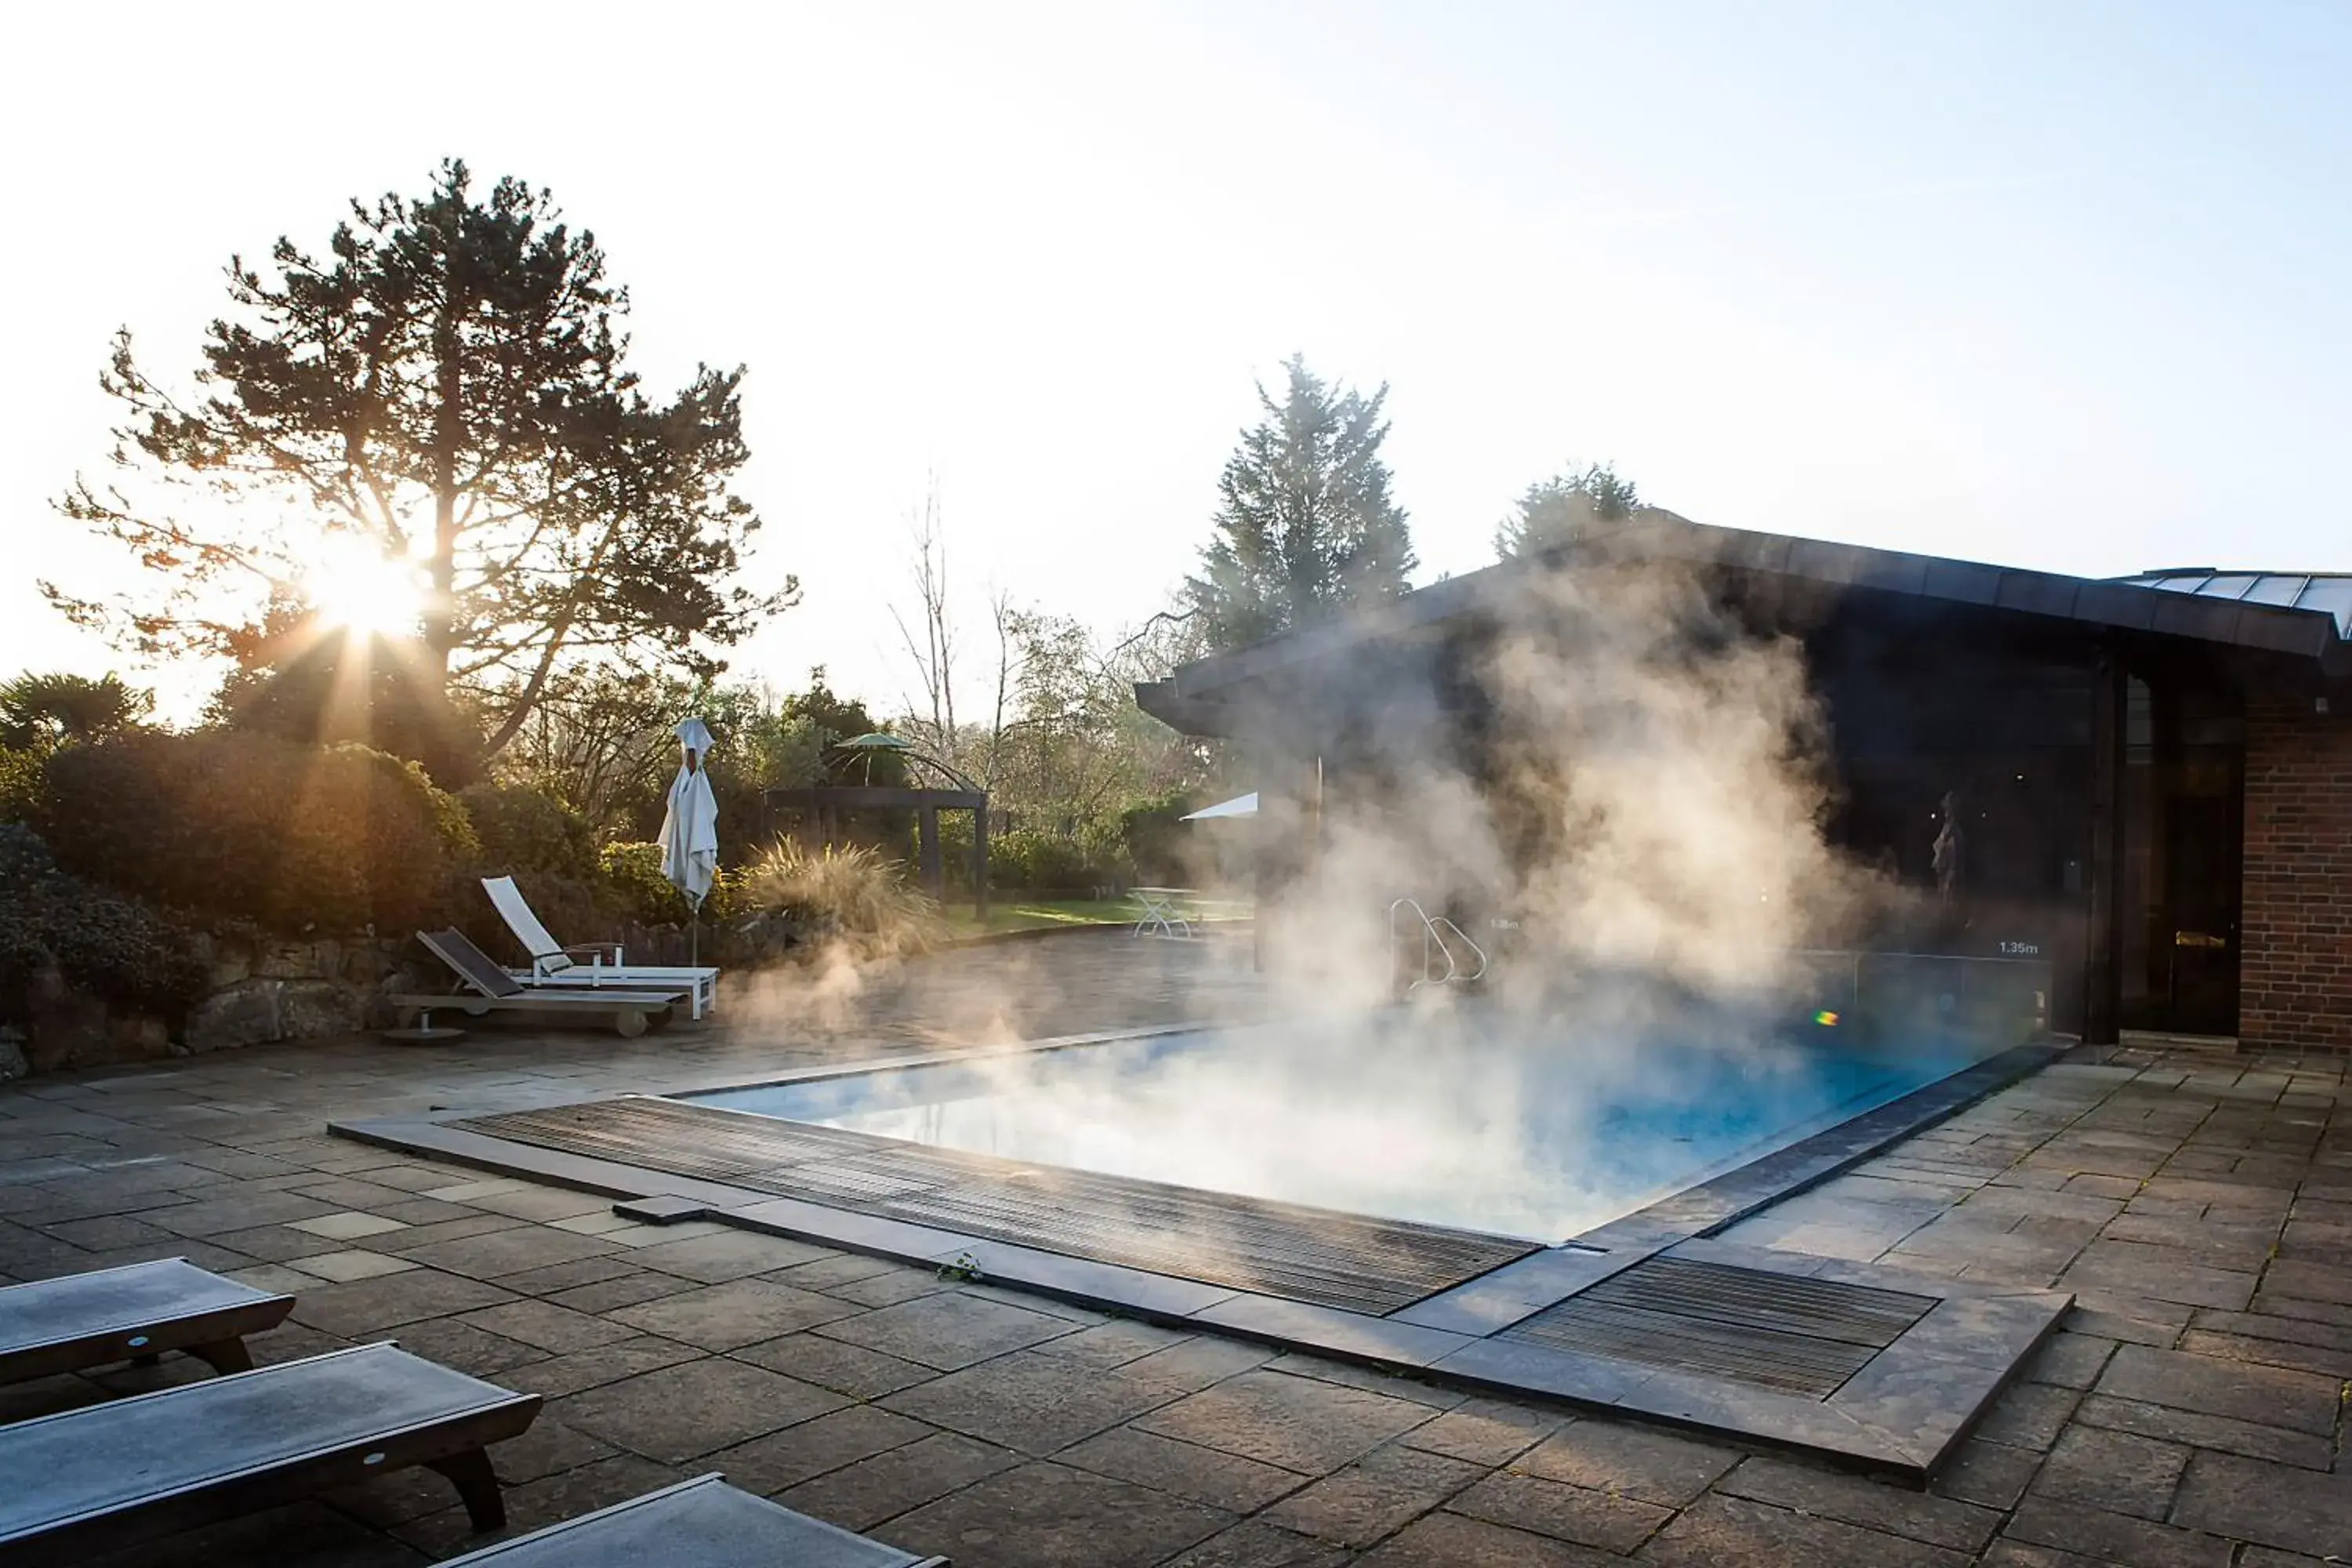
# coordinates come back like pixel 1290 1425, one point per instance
pixel 2156 772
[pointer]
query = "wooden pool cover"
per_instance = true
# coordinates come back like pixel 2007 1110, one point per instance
pixel 1355 1262
pixel 1769 1329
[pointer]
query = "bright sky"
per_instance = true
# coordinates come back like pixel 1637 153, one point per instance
pixel 2053 286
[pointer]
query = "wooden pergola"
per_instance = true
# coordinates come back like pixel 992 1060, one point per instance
pixel 828 803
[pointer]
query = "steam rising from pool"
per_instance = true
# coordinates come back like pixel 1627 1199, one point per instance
pixel 1645 797
pixel 1620 793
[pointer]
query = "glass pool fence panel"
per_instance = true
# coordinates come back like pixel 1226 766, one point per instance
pixel 2000 1002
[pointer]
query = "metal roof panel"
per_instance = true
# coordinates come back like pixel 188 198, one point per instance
pixel 1966 582
pixel 2333 595
pixel 2301 613
pixel 1757 552
pixel 2187 615
pixel 2261 626
pixel 1893 571
pixel 2039 592
pixel 1826 563
pixel 2116 605
pixel 2282 588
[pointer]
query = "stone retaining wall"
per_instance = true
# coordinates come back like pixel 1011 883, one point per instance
pixel 261 990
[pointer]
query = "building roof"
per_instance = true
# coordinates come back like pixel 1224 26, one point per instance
pixel 2246 610
pixel 2326 591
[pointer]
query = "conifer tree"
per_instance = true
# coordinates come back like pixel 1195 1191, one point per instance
pixel 1305 526
pixel 1566 506
pixel 445 386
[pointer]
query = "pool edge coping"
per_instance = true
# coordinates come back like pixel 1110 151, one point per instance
pixel 1399 1343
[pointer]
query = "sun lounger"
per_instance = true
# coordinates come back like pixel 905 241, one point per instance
pixel 133 1313
pixel 703 1521
pixel 553 963
pixel 107 1476
pixel 489 988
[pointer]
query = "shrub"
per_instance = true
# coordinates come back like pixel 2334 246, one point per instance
pixel 104 944
pixel 632 877
pixel 1152 832
pixel 853 890
pixel 955 848
pixel 1027 858
pixel 24 860
pixel 522 829
pixel 24 783
pixel 237 826
pixel 573 909
pixel 118 949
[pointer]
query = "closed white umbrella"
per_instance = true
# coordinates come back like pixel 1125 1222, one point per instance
pixel 689 836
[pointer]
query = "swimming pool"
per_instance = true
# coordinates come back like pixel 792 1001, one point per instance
pixel 1475 1119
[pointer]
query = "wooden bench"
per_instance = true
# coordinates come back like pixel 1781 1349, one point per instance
pixel 704 1523
pixel 133 1313
pixel 109 1476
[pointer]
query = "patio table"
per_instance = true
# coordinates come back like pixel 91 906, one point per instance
pixel 1163 912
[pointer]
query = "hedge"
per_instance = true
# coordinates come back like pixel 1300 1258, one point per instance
pixel 241 827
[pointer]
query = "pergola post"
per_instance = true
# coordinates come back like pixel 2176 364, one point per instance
pixel 934 874
pixel 980 858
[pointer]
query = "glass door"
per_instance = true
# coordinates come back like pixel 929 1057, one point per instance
pixel 2183 798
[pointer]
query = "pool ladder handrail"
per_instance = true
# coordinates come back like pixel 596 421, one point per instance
pixel 1434 929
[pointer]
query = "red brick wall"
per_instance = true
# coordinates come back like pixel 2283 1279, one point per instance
pixel 2295 951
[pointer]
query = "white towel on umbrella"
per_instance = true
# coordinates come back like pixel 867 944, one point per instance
pixel 689 836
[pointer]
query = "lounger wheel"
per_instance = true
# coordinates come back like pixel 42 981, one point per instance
pixel 630 1022
pixel 476 1009
pixel 659 1019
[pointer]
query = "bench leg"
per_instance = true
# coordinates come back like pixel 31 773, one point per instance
pixel 477 1487
pixel 224 1356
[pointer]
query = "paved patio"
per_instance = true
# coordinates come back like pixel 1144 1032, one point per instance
pixel 2192 1412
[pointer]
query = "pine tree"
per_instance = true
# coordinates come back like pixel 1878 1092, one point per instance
pixel 1567 506
pixel 446 385
pixel 1305 526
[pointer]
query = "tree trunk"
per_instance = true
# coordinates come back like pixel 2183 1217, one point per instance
pixel 449 434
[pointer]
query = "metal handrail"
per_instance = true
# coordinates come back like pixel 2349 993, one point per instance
pixel 1432 937
pixel 1478 973
pixel 1429 934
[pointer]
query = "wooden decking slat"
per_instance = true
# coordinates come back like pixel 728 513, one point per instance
pixel 1357 1262
pixel 1775 1331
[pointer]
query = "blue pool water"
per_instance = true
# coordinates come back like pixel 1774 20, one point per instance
pixel 1489 1125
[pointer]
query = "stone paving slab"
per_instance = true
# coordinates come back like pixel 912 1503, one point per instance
pixel 2147 1432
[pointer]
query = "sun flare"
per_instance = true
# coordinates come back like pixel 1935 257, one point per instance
pixel 354 587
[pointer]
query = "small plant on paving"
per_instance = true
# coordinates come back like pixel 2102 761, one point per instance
pixel 964 1270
